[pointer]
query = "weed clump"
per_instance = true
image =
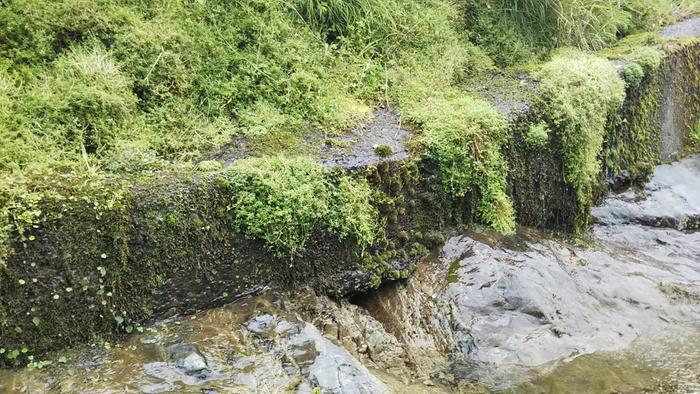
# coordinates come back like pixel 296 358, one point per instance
pixel 641 62
pixel 286 201
pixel 464 135
pixel 537 136
pixel 85 101
pixel 633 74
pixel 383 150
pixel 580 92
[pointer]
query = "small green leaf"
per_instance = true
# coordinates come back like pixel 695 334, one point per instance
pixel 22 282
pixel 119 320
pixel 62 359
pixel 36 320
pixel 103 255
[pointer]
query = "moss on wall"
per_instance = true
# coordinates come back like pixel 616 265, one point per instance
pixel 666 101
pixel 631 147
pixel 101 258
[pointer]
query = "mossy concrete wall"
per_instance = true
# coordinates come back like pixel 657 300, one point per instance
pixel 171 246
pixel 653 126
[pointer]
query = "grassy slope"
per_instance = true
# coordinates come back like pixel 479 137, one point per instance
pixel 117 88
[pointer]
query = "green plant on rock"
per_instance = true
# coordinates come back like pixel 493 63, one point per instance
pixel 694 138
pixel 286 201
pixel 464 136
pixel 641 62
pixel 580 92
pixel 648 58
pixel 383 150
pixel 537 136
pixel 633 74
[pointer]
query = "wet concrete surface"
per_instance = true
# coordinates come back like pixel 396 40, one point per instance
pixel 687 28
pixel 357 148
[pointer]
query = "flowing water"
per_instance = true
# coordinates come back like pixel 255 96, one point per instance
pixel 616 312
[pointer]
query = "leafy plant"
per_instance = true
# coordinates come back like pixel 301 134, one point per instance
pixel 537 136
pixel 286 201
pixel 633 74
pixel 580 93
pixel 464 136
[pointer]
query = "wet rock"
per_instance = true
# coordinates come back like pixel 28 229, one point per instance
pixel 261 325
pixel 336 371
pixel 510 310
pixel 357 148
pixel 670 200
pixel 188 359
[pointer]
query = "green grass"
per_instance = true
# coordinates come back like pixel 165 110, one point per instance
pixel 512 30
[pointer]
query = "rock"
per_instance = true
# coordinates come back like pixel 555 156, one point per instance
pixel 188 359
pixel 670 200
pixel 261 324
pixel 335 370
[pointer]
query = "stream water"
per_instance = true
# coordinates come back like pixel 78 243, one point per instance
pixel 616 312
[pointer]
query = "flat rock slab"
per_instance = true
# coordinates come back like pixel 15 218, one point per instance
pixel 671 199
pixel 357 148
pixel 687 28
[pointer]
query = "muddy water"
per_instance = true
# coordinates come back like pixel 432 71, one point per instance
pixel 616 312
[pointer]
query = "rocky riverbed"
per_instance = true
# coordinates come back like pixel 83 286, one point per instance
pixel 616 311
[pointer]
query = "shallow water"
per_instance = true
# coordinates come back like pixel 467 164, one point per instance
pixel 618 312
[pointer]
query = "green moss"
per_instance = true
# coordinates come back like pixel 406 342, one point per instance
pixel 648 58
pixel 285 201
pixel 383 150
pixel 580 93
pixel 629 44
pixel 418 250
pixel 464 135
pixel 633 74
pixel 537 136
pixel 694 138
